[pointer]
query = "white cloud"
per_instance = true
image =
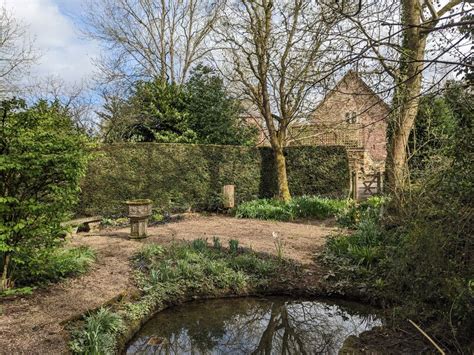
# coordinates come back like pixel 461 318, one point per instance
pixel 63 53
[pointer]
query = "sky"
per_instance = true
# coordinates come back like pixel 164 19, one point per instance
pixel 64 52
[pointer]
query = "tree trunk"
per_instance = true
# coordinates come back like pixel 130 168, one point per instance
pixel 5 282
pixel 406 97
pixel 280 161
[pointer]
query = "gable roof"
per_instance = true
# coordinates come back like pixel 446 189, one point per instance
pixel 352 75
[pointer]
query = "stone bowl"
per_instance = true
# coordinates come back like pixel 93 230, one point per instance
pixel 141 208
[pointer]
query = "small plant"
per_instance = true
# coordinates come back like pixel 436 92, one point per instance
pixel 234 246
pixel 22 291
pixel 150 253
pixel 117 222
pixel 199 244
pixel 216 242
pixel 353 213
pixel 98 335
pixel 279 245
pixel 156 217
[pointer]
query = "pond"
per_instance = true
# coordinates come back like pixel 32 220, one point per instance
pixel 273 325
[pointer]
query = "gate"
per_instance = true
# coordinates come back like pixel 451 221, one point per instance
pixel 365 185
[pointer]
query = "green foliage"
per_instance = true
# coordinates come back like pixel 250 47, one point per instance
pixel 19 291
pixel 354 212
pixel 42 158
pixel 115 222
pixel 198 267
pixel 199 244
pixel 156 217
pixel 216 242
pixel 419 258
pixel 183 176
pixel 155 112
pixel 166 276
pixel 199 111
pixel 264 209
pixel 98 335
pixel 234 246
pixel 213 114
pixel 51 265
pixel 434 125
pixel 298 207
pixel 362 246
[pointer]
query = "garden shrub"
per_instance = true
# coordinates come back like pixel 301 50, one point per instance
pixel 42 158
pixel 353 212
pixel 299 207
pixel 51 265
pixel 187 176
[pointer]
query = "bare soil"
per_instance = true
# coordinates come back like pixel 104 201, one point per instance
pixel 35 324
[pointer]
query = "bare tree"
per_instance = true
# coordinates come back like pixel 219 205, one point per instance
pixel 74 98
pixel 16 52
pixel 278 52
pixel 146 39
pixel 410 40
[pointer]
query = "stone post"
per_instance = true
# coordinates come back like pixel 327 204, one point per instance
pixel 379 183
pixel 355 192
pixel 138 212
pixel 228 196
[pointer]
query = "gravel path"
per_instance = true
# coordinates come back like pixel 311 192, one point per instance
pixel 35 324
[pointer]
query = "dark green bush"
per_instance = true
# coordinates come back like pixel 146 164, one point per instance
pixel 187 176
pixel 298 207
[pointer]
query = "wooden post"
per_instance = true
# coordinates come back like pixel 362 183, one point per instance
pixel 379 183
pixel 228 196
pixel 355 192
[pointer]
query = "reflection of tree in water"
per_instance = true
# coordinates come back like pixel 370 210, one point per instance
pixel 251 326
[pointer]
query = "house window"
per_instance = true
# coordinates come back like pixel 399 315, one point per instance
pixel 351 117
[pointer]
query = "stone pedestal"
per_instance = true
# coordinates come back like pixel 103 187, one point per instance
pixel 138 212
pixel 138 227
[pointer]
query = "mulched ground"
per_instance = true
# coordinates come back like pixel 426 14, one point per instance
pixel 35 324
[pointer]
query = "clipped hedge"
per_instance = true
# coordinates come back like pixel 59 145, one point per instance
pixel 189 176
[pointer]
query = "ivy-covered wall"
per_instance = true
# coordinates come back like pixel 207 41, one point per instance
pixel 188 176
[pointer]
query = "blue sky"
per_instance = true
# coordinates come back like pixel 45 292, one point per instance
pixel 51 23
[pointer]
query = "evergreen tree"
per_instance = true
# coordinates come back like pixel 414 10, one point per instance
pixel 213 114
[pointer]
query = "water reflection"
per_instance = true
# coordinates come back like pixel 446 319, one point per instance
pixel 253 326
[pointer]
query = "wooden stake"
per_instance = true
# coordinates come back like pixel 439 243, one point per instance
pixel 441 351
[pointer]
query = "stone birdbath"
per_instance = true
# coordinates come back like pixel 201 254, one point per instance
pixel 138 212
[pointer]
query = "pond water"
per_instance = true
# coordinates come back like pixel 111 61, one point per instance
pixel 253 326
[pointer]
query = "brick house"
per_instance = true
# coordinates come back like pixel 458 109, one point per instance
pixel 351 115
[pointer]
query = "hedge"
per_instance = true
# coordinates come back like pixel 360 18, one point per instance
pixel 189 176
